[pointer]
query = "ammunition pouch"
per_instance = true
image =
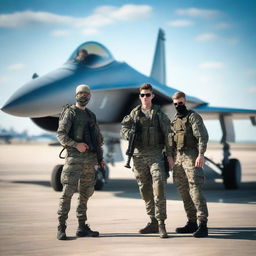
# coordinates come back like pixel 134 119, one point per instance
pixel 179 138
pixel 183 136
pixel 148 130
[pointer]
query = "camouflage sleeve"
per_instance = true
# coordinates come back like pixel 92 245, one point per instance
pixel 165 126
pixel 65 123
pixel 126 126
pixel 199 131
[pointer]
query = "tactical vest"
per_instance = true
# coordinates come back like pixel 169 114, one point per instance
pixel 149 130
pixel 83 121
pixel 183 133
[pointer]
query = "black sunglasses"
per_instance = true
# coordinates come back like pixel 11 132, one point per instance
pixel 178 103
pixel 145 94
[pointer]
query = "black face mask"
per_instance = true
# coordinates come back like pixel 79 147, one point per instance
pixel 181 110
pixel 82 100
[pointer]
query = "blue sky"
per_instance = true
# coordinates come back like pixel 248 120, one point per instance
pixel 210 46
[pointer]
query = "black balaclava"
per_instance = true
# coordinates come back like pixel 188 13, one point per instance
pixel 181 110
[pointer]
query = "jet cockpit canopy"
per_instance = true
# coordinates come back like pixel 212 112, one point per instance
pixel 98 55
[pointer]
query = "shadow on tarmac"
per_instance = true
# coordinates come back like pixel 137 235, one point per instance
pixel 241 233
pixel 127 235
pixel 70 238
pixel 128 188
pixel 33 182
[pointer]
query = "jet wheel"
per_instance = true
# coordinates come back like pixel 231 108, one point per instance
pixel 56 178
pixel 232 174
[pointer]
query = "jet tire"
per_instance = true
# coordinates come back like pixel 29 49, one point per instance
pixel 56 178
pixel 232 174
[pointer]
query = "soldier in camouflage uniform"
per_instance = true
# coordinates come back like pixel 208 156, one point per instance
pixel 148 161
pixel 74 132
pixel 189 140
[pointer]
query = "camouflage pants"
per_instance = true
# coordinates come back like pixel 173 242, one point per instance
pixel 189 181
pixel 151 179
pixel 78 169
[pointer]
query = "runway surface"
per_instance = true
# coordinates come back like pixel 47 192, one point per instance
pixel 28 206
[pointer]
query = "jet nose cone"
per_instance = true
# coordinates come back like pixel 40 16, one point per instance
pixel 15 107
pixel 38 98
pixel 26 100
pixel 5 109
pixel 46 95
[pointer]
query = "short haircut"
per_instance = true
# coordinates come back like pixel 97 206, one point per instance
pixel 178 95
pixel 146 87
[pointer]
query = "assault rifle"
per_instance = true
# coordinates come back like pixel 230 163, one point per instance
pixel 131 145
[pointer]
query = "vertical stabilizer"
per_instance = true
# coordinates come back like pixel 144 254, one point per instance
pixel 158 71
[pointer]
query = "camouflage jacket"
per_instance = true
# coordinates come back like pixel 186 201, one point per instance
pixel 153 131
pixel 67 134
pixel 192 130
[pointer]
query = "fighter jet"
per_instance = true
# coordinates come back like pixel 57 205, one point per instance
pixel 114 87
pixel 7 135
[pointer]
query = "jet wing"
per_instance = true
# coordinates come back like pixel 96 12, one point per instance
pixel 117 81
pixel 212 113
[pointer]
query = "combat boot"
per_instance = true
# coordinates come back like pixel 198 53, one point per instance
pixel 151 227
pixel 202 231
pixel 84 230
pixel 61 234
pixel 190 227
pixel 162 230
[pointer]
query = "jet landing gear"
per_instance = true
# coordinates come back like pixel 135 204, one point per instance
pixel 231 173
pixel 101 178
pixel 231 169
pixel 56 178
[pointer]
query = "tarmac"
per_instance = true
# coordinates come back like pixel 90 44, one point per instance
pixel 28 207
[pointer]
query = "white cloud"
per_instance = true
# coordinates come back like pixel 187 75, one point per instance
pixel 17 66
pixel 95 20
pixel 223 25
pixel 61 33
pixel 252 89
pixel 106 15
pixel 125 12
pixel 206 37
pixel 19 19
pixel 201 13
pixel 180 23
pixel 211 65
pixel 101 16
